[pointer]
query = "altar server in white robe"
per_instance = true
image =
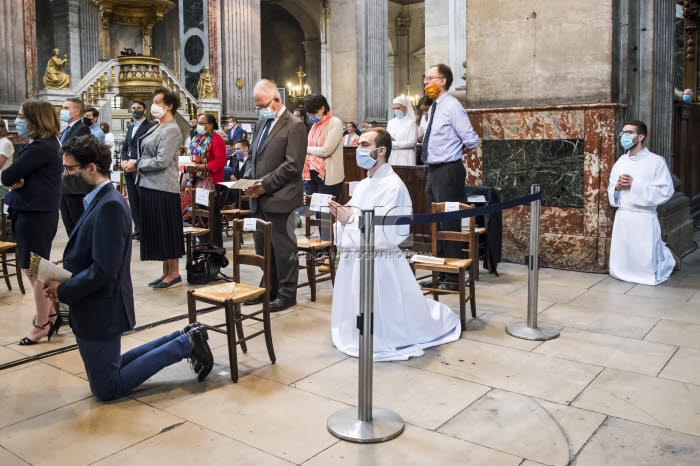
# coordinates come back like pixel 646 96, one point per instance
pixel 405 322
pixel 639 181
pixel 404 133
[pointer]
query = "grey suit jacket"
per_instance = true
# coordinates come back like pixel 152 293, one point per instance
pixel 278 163
pixel 159 152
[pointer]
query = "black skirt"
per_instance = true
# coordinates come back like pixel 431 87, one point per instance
pixel 161 225
pixel 34 232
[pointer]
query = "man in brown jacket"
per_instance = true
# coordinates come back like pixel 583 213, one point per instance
pixel 276 157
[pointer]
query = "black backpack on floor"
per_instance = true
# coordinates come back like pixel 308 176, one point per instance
pixel 205 266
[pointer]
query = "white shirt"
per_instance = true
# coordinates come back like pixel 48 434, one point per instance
pixel 8 150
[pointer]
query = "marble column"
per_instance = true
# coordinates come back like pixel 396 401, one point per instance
pixel 13 80
pixel 446 36
pixel 401 74
pixel 90 30
pixel 458 41
pixel 372 60
pixel 312 50
pixel 30 49
pixel 73 49
pixel 326 57
pixel 214 46
pixel 240 56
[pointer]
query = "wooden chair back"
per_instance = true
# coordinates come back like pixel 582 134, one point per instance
pixel 459 236
pixel 203 216
pixel 310 219
pixel 252 259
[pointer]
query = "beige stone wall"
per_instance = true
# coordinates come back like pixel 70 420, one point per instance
pixel 541 52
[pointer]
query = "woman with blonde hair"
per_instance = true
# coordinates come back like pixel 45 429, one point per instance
pixel 34 200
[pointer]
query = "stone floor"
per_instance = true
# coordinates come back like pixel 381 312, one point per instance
pixel 620 386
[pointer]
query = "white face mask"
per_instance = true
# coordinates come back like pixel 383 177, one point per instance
pixel 157 111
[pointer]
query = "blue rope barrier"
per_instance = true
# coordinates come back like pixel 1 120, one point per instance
pixel 457 214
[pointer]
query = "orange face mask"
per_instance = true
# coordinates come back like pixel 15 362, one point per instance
pixel 432 91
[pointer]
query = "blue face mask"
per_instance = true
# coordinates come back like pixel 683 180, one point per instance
pixel 267 114
pixel 364 160
pixel 22 127
pixel 238 154
pixel 399 114
pixel 314 118
pixel 65 115
pixel 229 151
pixel 686 97
pixel 627 141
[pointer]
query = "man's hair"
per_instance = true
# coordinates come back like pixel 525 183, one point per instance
pixel 78 102
pixel 374 123
pixel 42 119
pixel 314 103
pixel 641 127
pixel 231 117
pixel 267 87
pixel 86 150
pixel 382 138
pixel 425 100
pixel 446 73
pixel 211 119
pixel 140 102
pixel 94 111
pixel 243 141
pixel 229 142
pixel 169 98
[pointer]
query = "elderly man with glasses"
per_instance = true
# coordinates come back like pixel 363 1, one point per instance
pixel 639 182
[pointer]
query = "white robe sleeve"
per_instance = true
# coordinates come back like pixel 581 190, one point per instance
pixel 614 175
pixel 656 192
pixel 406 137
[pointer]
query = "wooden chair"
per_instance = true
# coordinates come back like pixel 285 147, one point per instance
pixel 234 212
pixel 453 266
pixel 5 247
pixel 312 247
pixel 229 296
pixel 200 216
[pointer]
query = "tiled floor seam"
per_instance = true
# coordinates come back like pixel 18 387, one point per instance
pixel 570 403
pixel 293 384
pixel 466 407
pixel 667 361
pixel 651 329
pixel 572 461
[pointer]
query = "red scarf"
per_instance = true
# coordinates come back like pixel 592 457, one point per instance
pixel 317 138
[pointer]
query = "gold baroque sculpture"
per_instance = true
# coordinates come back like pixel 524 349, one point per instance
pixel 205 88
pixel 55 77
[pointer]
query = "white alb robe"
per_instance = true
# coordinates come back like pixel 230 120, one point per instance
pixel 404 131
pixel 637 253
pixel 405 322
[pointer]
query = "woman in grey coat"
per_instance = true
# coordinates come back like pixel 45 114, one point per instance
pixel 157 180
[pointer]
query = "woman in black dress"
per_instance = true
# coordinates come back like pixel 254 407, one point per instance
pixel 35 182
pixel 158 184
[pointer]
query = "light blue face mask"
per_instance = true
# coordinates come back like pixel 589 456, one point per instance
pixel 267 114
pixel 22 128
pixel 314 118
pixel 627 141
pixel 399 114
pixel 364 160
pixel 65 115
pixel 686 97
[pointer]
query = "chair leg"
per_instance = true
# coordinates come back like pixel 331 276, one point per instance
pixel 311 273
pixel 435 285
pixel 231 335
pixel 462 300
pixel 472 294
pixel 191 307
pixel 268 332
pixel 5 272
pixel 19 273
pixel 239 326
pixel 331 264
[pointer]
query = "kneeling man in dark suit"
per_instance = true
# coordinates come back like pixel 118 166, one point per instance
pixel 99 294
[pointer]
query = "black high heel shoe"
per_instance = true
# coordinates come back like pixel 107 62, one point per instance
pixel 56 325
pixel 26 341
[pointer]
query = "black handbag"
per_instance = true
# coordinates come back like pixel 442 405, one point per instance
pixel 205 266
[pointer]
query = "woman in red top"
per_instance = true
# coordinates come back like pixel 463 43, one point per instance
pixel 208 152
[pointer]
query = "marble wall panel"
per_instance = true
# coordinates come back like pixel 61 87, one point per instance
pixel 556 165
pixel 554 124
pixel 472 158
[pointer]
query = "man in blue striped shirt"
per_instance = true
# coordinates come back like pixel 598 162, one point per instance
pixel 449 131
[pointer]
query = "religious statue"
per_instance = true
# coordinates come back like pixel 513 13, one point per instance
pixel 55 77
pixel 205 88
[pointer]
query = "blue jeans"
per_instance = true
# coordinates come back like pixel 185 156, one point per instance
pixel 113 375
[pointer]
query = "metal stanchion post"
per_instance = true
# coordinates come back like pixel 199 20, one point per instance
pixel 529 330
pixel 365 424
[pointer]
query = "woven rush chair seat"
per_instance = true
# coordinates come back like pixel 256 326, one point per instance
pixel 229 296
pixel 465 269
pixel 5 248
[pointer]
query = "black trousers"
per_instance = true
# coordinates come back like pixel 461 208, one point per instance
pixel 446 184
pixel 285 257
pixel 134 201
pixel 71 210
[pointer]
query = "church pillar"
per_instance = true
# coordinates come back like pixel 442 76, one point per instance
pixel 312 50
pixel 30 48
pixel 90 28
pixel 240 56
pixel 13 79
pixel 73 46
pixel 446 36
pixel 326 56
pixel 457 41
pixel 401 76
pixel 215 46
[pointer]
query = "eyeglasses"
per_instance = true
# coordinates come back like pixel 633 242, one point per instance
pixel 67 168
pixel 264 106
pixel 626 132
pixel 434 77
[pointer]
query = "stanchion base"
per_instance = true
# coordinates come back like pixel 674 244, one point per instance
pixel 541 333
pixel 384 425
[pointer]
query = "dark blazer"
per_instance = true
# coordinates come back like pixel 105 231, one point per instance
pixel 77 130
pixel 234 134
pixel 237 172
pixel 279 163
pixel 98 254
pixel 132 140
pixel 40 166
